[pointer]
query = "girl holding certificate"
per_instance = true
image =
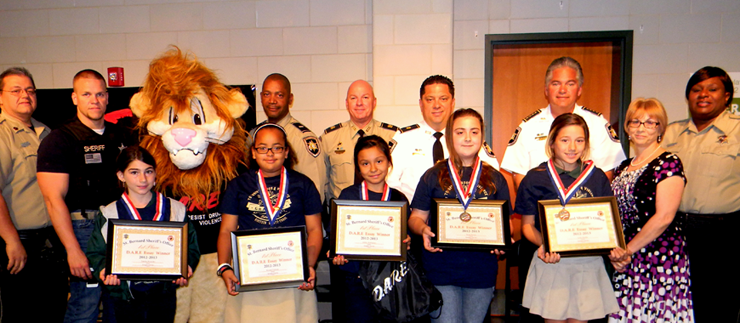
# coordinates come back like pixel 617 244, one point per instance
pixel 139 301
pixel 572 289
pixel 270 195
pixel 372 159
pixel 466 279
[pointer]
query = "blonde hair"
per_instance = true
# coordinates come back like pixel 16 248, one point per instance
pixel 650 107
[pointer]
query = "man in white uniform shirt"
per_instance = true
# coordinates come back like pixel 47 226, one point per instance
pixel 414 149
pixel 563 86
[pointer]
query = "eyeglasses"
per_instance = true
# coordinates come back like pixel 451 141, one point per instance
pixel 264 150
pixel 17 92
pixel 649 124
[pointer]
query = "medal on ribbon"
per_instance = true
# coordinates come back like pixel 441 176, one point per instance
pixel 364 194
pixel 133 213
pixel 273 210
pixel 465 196
pixel 565 194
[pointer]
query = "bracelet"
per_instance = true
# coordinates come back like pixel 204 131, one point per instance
pixel 222 268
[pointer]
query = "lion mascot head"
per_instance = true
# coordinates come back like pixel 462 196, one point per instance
pixel 191 122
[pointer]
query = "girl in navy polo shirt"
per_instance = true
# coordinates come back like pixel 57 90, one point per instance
pixel 466 279
pixel 575 289
pixel 372 160
pixel 139 301
pixel 293 201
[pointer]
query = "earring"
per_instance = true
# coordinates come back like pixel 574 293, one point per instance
pixel 629 138
pixel 660 138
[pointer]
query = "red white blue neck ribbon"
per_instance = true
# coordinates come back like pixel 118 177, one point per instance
pixel 364 194
pixel 134 213
pixel 565 194
pixel 465 196
pixel 273 210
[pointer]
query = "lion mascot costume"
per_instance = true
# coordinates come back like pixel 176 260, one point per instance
pixel 199 145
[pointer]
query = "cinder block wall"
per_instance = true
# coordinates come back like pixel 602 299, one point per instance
pixel 323 45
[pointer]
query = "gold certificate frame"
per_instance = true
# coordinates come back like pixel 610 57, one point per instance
pixel 584 227
pixel 368 230
pixel 484 225
pixel 270 258
pixel 147 250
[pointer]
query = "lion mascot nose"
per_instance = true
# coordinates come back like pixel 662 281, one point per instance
pixel 183 136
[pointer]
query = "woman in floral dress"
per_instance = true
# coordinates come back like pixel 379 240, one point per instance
pixel 655 285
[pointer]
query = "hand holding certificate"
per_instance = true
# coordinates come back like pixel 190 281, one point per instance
pixel 584 226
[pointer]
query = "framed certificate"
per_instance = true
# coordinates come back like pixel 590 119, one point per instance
pixel 368 230
pixel 585 226
pixel 147 250
pixel 483 225
pixel 270 258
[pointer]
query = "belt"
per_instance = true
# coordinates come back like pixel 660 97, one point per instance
pixel 715 216
pixel 32 234
pixel 82 214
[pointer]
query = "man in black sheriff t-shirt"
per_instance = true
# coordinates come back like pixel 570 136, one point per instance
pixel 77 174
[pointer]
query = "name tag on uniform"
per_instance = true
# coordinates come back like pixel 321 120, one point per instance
pixel 417 152
pixel 94 158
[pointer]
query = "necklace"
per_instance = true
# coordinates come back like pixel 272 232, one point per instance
pixel 632 163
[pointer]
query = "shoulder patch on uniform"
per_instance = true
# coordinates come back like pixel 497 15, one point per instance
pixel 612 134
pixel 488 150
pixel 392 144
pixel 301 127
pixel 332 128
pixel 312 145
pixel 388 126
pixel 515 136
pixel 409 128
pixel 592 111
pixel 529 117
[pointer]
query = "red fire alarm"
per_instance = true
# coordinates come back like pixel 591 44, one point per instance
pixel 115 76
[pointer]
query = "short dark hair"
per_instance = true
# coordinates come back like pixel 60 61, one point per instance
pixel 89 73
pixel 131 154
pixel 16 70
pixel 370 142
pixel 280 78
pixel 708 72
pixel 437 79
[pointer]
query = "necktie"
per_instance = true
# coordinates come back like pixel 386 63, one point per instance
pixel 437 151
pixel 358 176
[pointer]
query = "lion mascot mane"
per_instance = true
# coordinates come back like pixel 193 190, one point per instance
pixel 199 145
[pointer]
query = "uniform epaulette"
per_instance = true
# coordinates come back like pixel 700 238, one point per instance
pixel 529 117
pixel 388 126
pixel 409 128
pixel 301 127
pixel 332 128
pixel 592 111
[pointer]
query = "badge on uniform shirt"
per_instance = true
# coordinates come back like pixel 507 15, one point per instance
pixel 417 151
pixel 612 134
pixel 312 145
pixel 722 139
pixel 540 136
pixel 340 150
pixel 515 136
pixel 93 158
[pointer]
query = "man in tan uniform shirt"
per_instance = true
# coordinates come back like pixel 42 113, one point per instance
pixel 277 99
pixel 338 141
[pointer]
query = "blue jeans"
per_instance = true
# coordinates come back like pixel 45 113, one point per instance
pixel 463 305
pixel 83 304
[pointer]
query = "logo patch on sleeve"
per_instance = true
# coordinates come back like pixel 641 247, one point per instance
pixel 392 144
pixel 312 145
pixel 612 134
pixel 488 150
pixel 515 136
